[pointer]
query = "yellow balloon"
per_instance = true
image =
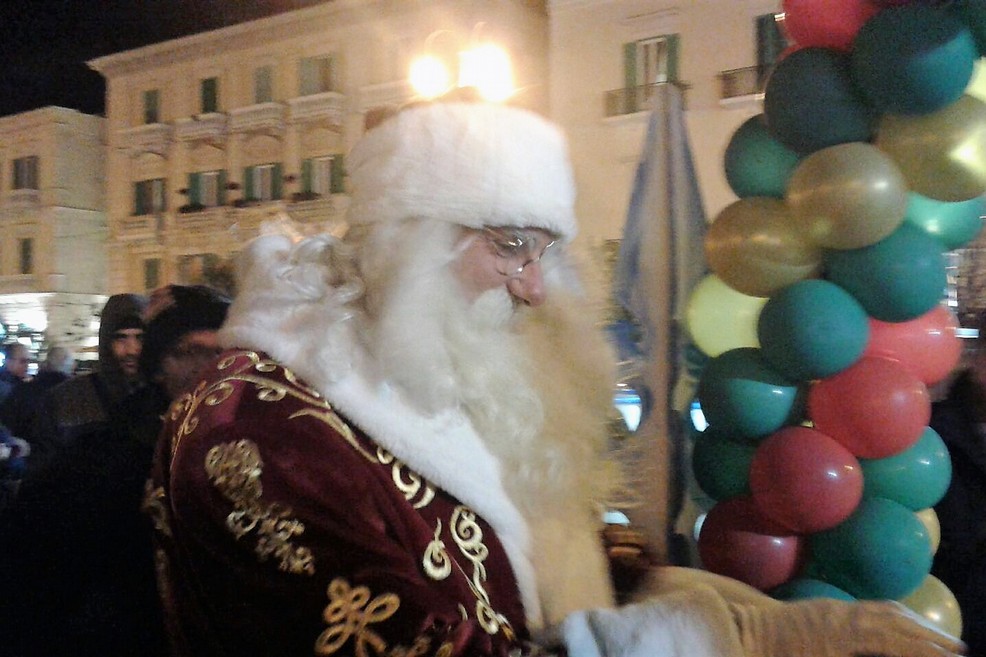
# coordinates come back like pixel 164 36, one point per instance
pixel 943 154
pixel 847 196
pixel 977 85
pixel 929 519
pixel 755 248
pixel 719 318
pixel 936 603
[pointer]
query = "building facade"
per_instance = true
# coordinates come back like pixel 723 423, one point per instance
pixel 211 135
pixel 53 277
pixel 607 57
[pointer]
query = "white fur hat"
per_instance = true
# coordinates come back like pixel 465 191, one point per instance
pixel 474 164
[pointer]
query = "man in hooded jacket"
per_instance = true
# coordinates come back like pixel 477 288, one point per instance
pixel 83 404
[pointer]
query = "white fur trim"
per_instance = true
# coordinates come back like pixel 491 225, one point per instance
pixel 473 164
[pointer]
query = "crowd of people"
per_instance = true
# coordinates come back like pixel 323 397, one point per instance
pixel 391 443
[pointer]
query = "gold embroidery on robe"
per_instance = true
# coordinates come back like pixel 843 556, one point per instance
pixel 153 506
pixel 234 469
pixel 349 614
pixel 468 536
pixel 408 482
pixel 436 562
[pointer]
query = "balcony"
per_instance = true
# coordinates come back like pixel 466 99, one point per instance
pixel 209 127
pixel 150 138
pixel 137 227
pixel 262 117
pixel 620 102
pixel 742 86
pixel 23 199
pixel 384 95
pixel 205 220
pixel 327 108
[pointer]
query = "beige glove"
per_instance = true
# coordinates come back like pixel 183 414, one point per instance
pixel 834 628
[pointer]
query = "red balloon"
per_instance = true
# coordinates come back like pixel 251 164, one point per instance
pixel 875 408
pixel 927 346
pixel 826 23
pixel 804 480
pixel 738 541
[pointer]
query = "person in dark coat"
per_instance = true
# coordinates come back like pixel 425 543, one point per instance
pixel 19 412
pixel 14 370
pixel 83 405
pixel 960 562
pixel 77 573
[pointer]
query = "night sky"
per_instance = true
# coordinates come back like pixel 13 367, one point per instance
pixel 44 44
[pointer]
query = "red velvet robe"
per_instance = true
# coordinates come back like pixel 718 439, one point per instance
pixel 283 530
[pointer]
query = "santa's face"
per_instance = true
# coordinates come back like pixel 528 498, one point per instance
pixel 508 258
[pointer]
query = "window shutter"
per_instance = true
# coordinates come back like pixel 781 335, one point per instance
pixel 673 48
pixel 210 95
pixel 194 195
pixel 248 184
pixel 138 199
pixel 307 76
pixel 306 176
pixel 221 188
pixel 337 185
pixel 276 183
pixel 629 65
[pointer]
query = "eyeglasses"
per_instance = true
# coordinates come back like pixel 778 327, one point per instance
pixel 514 249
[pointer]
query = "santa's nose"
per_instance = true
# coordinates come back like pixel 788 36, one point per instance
pixel 528 287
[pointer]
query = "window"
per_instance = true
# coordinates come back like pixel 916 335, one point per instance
pixel 152 106
pixel 210 95
pixel 149 196
pixel 263 84
pixel 262 182
pixel 26 255
pixel 315 75
pixel 770 45
pixel 322 175
pixel 25 172
pixel 207 188
pixel 152 273
pixel 650 61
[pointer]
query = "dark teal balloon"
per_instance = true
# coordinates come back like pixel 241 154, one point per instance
pixel 742 397
pixel 722 466
pixel 811 102
pixel 812 329
pixel 899 278
pixel 757 164
pixel 913 59
pixel 882 551
pixel 916 478
pixel 807 588
pixel 953 224
pixel 973 14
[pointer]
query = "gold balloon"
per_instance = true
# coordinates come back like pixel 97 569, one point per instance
pixel 847 196
pixel 943 154
pixel 719 318
pixel 755 248
pixel 929 519
pixel 935 602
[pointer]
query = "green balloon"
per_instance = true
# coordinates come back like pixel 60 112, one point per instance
pixel 899 278
pixel 722 466
pixel 812 329
pixel 756 164
pixel 953 224
pixel 882 551
pixel 916 478
pixel 742 397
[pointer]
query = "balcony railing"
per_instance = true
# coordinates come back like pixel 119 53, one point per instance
pixel 150 138
pixel 207 127
pixel 327 107
pixel 262 116
pixel 742 82
pixel 631 100
pixel 381 95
